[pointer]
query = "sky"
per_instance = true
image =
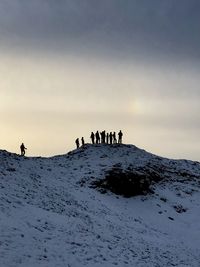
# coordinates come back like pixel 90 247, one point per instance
pixel 71 67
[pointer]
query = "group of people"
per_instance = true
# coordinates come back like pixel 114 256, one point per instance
pixel 103 138
pixel 97 138
pixel 78 143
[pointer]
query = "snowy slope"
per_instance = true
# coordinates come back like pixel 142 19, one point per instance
pixel 50 216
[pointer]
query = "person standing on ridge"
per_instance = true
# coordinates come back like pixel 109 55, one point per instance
pixel 111 137
pixel 120 134
pixel 107 138
pixel 22 148
pixel 114 138
pixel 92 137
pixel 82 141
pixel 103 137
pixel 97 137
pixel 77 142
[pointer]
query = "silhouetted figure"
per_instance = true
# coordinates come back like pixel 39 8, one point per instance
pixel 110 136
pixel 97 137
pixel 82 141
pixel 103 137
pixel 101 134
pixel 114 138
pixel 22 148
pixel 92 137
pixel 77 142
pixel 107 138
pixel 120 134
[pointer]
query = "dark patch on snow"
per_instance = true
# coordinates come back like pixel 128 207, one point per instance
pixel 180 208
pixel 11 169
pixel 163 199
pixel 129 182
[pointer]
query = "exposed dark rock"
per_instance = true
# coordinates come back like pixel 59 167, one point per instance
pixel 163 199
pixel 129 182
pixel 180 209
pixel 11 169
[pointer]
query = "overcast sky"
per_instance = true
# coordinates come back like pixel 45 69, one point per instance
pixel 70 67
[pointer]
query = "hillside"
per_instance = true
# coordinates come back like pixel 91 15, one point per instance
pixel 52 216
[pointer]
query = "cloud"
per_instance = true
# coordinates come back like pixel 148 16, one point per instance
pixel 151 27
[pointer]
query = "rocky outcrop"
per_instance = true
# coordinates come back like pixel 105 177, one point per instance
pixel 129 182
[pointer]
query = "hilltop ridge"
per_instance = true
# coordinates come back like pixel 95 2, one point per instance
pixel 51 216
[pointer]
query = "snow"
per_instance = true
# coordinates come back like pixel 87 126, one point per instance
pixel 50 216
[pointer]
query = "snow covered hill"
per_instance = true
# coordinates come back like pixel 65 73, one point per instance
pixel 50 216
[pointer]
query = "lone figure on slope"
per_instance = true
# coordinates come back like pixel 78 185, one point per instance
pixel 22 148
